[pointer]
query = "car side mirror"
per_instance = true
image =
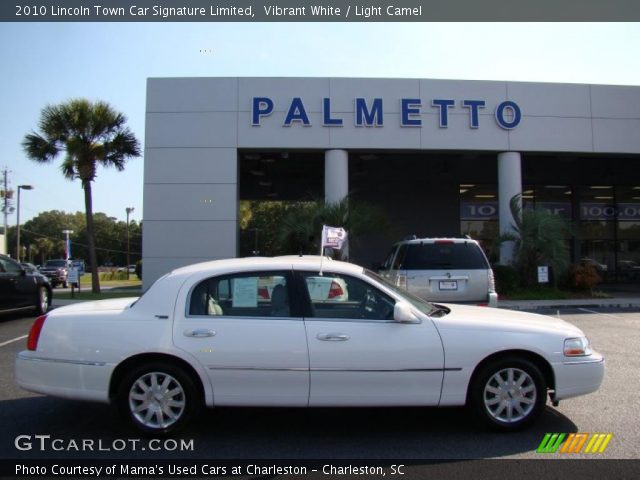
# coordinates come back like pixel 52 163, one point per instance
pixel 403 313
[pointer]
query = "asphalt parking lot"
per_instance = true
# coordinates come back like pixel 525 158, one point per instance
pixel 412 433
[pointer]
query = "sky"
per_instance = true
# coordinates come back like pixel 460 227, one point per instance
pixel 49 63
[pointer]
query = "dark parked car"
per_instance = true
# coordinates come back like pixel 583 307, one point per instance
pixel 56 271
pixel 22 290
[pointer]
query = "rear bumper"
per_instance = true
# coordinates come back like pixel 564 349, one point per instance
pixel 63 378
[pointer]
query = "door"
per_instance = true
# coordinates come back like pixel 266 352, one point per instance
pixel 250 338
pixel 17 289
pixel 360 356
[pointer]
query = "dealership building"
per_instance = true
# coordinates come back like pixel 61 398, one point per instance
pixel 438 157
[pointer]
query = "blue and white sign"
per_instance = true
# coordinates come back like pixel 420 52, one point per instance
pixel 369 112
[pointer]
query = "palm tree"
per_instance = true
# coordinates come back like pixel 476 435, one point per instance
pixel 90 134
pixel 540 239
pixel 301 227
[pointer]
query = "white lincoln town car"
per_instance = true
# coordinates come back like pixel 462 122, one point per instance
pixel 205 335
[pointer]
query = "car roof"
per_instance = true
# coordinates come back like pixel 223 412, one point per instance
pixel 414 241
pixel 160 297
pixel 301 262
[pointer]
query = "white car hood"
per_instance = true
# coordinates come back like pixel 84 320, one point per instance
pixel 503 320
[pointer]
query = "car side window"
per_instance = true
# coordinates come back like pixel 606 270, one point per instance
pixel 338 296
pixel 397 263
pixel 242 295
pixel 387 262
pixel 8 266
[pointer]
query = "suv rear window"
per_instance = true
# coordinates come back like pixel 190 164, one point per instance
pixel 444 256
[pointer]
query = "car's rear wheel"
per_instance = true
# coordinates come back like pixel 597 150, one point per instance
pixel 508 394
pixel 158 398
pixel 42 301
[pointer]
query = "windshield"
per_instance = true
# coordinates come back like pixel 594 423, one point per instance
pixel 56 263
pixel 425 307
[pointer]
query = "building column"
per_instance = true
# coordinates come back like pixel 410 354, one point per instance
pixel 509 184
pixel 336 175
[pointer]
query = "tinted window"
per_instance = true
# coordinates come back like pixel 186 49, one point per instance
pixel 243 295
pixel 445 256
pixel 9 266
pixel 56 263
pixel 398 262
pixel 338 296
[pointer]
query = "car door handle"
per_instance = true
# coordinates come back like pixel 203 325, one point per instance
pixel 333 337
pixel 199 333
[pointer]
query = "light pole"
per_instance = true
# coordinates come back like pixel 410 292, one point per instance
pixel 67 245
pixel 129 211
pixel 20 187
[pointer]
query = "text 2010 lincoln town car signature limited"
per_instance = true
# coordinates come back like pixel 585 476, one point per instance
pixel 207 334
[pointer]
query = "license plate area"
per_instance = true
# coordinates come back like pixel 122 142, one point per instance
pixel 448 285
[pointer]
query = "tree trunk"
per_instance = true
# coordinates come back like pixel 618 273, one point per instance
pixel 91 242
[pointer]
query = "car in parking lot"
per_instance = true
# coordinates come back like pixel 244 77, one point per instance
pixel 56 271
pixel 203 335
pixel 22 289
pixel 442 270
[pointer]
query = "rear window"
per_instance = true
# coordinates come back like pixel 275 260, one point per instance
pixel 444 256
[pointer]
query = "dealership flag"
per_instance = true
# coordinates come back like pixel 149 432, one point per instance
pixel 334 237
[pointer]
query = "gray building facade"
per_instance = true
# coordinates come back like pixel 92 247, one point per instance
pixel 442 157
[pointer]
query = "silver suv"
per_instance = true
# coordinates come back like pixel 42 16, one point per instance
pixel 454 270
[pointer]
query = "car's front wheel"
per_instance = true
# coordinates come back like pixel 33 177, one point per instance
pixel 42 301
pixel 158 398
pixel 508 394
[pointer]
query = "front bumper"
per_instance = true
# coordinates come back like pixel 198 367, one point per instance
pixel 63 378
pixel 578 376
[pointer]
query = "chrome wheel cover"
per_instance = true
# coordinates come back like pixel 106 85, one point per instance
pixel 43 299
pixel 157 400
pixel 510 395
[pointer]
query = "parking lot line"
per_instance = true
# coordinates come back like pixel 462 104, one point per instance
pixel 598 313
pixel 17 339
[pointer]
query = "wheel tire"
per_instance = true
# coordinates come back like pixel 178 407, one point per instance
pixel 175 401
pixel 42 301
pixel 507 394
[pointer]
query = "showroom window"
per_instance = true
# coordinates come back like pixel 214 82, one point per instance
pixel 479 213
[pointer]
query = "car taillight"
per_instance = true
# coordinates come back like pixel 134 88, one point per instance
pixel 34 333
pixel 335 290
pixel 263 293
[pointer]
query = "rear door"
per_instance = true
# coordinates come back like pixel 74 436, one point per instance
pixel 247 332
pixel 360 356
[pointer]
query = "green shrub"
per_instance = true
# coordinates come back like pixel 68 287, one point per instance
pixel 506 278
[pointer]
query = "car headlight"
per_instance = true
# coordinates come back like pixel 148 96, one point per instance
pixel 577 347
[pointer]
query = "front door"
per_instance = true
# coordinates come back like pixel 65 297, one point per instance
pixel 359 355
